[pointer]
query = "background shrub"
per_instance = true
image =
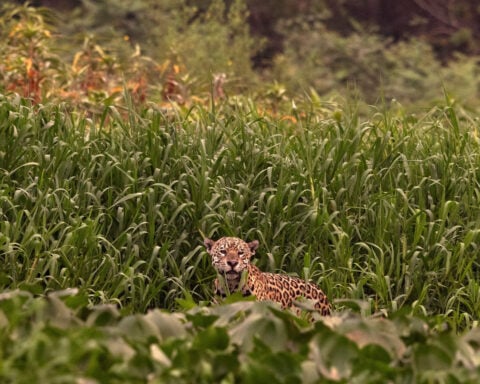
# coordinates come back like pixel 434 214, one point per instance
pixel 371 66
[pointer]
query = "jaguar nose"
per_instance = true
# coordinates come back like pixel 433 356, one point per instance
pixel 232 263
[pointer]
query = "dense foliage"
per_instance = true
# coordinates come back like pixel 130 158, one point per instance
pixel 114 166
pixel 382 210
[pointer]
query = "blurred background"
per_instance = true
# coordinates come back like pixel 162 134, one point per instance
pixel 449 26
pixel 373 49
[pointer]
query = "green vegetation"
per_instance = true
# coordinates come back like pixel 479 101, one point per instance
pixel 382 211
pixel 112 171
pixel 55 339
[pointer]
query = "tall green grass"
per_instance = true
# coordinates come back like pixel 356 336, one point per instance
pixel 382 209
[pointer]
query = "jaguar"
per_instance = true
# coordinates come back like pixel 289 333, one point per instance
pixel 231 258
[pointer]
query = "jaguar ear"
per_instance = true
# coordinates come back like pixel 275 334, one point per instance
pixel 253 245
pixel 209 243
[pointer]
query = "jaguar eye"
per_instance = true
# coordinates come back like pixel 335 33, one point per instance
pixel 240 253
pixel 223 252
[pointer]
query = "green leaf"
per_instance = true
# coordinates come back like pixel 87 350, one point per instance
pixel 212 338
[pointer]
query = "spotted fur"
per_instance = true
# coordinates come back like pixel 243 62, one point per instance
pixel 231 259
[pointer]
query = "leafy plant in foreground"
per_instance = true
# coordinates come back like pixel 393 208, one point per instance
pixel 56 337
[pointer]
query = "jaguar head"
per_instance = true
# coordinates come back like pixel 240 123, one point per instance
pixel 230 255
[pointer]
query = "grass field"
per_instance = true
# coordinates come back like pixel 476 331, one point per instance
pixel 382 211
